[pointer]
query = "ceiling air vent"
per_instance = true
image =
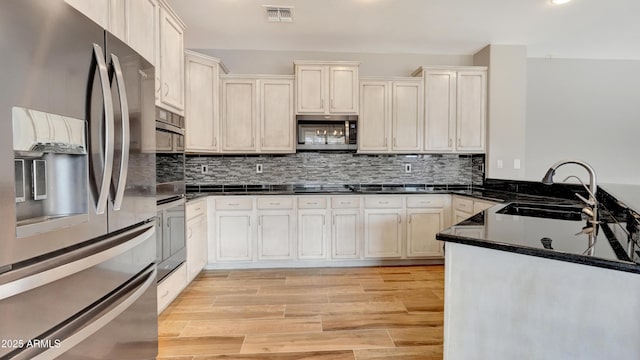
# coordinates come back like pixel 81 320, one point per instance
pixel 279 13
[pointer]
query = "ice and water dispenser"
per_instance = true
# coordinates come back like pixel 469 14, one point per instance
pixel 51 171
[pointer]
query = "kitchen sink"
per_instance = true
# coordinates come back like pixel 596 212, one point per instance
pixel 558 212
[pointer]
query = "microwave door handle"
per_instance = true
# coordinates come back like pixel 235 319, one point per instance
pixel 126 134
pixel 101 206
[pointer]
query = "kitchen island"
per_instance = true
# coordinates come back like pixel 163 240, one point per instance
pixel 520 284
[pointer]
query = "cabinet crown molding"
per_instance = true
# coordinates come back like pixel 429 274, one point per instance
pixel 325 62
pixel 390 78
pixel 203 57
pixel 421 69
pixel 165 5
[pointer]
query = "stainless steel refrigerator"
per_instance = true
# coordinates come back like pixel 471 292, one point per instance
pixel 77 241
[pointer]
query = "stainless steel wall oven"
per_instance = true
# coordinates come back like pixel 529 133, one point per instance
pixel 170 192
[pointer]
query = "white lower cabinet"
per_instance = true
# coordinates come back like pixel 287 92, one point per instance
pixel 171 287
pixel 276 232
pixel 312 234
pixel 257 231
pixel 382 233
pixel 196 237
pixel 422 227
pixel 345 234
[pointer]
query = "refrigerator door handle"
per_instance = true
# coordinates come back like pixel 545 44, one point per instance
pixel 32 281
pixel 90 321
pixel 126 134
pixel 101 206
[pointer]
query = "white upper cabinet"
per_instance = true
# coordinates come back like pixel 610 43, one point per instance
pixel 471 110
pixel 326 87
pixel 406 116
pixel 373 122
pixel 455 101
pixel 239 115
pixel 391 118
pixel 202 82
pixel 171 64
pixel 277 121
pixel 257 114
pixel 142 18
pixel 133 21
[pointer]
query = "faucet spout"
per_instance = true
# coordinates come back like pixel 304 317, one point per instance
pixel 593 186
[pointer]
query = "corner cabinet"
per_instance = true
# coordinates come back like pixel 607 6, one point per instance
pixel 455 101
pixel 391 118
pixel 326 87
pixel 257 115
pixel 170 65
pixel 202 82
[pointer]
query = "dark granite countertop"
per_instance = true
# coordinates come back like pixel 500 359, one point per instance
pixel 554 234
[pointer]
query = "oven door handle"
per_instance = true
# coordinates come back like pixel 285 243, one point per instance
pixel 109 125
pixel 93 319
pixel 126 134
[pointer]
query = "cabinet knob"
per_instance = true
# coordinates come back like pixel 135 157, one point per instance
pixel 166 89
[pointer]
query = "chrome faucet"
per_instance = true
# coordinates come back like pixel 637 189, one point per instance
pixel 592 202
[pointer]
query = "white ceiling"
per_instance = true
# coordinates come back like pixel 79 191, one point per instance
pixel 595 29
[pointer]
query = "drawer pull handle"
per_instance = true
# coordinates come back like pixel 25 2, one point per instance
pixel 274 203
pixel 383 202
pixel 198 209
pixel 312 203
pixel 344 202
pixel 233 204
pixel 165 294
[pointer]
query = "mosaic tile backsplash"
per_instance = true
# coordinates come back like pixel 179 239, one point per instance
pixel 336 168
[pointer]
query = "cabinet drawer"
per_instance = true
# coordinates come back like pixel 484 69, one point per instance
pixel 171 287
pixel 269 202
pixel 312 203
pixel 345 202
pixel 463 204
pixel 234 203
pixel 426 202
pixel 379 202
pixel 195 208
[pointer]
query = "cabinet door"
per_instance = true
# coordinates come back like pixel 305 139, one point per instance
pixel 311 88
pixel 422 227
pixel 440 110
pixel 312 234
pixel 277 122
pixel 471 110
pixel 201 128
pixel 118 19
pixel 343 89
pixel 382 233
pixel 345 234
pixel 275 235
pixel 407 117
pixel 238 115
pixel 196 245
pixel 373 123
pixel 171 62
pixel 141 27
pixel 233 235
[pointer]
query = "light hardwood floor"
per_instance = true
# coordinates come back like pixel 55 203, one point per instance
pixel 299 314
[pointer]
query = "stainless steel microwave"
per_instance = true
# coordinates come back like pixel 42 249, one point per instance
pixel 327 132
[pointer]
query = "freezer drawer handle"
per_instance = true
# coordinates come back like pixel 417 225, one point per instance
pixel 108 129
pixel 94 319
pixel 30 282
pixel 126 134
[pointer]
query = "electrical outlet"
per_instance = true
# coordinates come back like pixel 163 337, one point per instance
pixel 258 168
pixel 407 168
pixel 204 169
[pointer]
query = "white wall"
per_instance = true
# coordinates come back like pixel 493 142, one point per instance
pixel 506 108
pixel 281 62
pixel 584 109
